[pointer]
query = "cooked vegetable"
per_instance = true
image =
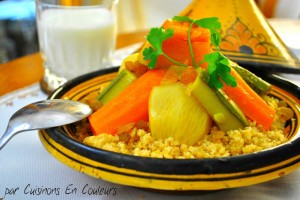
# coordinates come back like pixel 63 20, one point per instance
pixel 218 65
pixel 173 74
pixel 161 42
pixel 131 105
pixel 228 102
pixel 219 70
pixel 132 57
pixel 188 75
pixel 256 83
pixel 115 87
pixel 232 106
pixel 211 23
pixel 181 47
pixel 156 38
pixel 173 113
pixel 209 99
pixel 186 35
pixel 180 74
pixel 251 104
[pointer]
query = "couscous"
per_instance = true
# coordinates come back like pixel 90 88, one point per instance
pixel 217 143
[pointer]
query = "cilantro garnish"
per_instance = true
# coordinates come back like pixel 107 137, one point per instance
pixel 218 68
pixel 218 64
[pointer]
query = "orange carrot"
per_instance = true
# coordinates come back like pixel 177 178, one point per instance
pixel 251 104
pixel 177 46
pixel 131 105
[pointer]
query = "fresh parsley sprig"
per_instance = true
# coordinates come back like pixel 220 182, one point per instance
pixel 218 68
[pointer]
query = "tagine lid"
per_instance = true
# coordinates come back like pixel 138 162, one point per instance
pixel 247 37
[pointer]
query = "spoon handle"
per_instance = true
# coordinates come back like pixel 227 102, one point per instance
pixel 8 134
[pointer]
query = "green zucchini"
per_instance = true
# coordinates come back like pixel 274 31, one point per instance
pixel 260 86
pixel 117 85
pixel 222 113
pixel 232 106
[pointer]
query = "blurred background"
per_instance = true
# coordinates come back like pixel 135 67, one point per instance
pixel 18 34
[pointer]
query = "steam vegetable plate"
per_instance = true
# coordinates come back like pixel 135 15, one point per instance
pixel 173 174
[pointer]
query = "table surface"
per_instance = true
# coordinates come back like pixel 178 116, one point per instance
pixel 26 168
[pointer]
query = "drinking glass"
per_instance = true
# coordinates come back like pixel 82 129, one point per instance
pixel 75 37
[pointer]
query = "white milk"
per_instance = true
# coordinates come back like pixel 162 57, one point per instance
pixel 76 41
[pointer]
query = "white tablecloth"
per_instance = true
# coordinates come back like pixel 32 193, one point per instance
pixel 26 168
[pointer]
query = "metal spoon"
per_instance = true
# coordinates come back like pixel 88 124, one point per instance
pixel 44 114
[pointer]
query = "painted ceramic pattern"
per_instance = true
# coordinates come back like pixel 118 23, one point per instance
pixel 245 32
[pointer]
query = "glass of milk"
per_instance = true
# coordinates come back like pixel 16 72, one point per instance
pixel 75 37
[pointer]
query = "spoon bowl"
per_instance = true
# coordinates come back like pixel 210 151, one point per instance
pixel 44 114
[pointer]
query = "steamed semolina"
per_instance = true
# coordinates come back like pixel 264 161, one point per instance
pixel 216 144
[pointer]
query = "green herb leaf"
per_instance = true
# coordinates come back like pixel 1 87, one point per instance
pixel 152 55
pixel 218 68
pixel 214 26
pixel 182 19
pixel 156 38
pixel 229 80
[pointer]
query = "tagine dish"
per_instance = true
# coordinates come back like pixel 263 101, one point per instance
pixel 175 104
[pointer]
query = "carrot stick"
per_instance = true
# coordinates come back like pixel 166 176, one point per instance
pixel 131 105
pixel 177 46
pixel 251 104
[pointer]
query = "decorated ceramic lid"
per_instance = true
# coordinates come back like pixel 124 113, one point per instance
pixel 247 37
